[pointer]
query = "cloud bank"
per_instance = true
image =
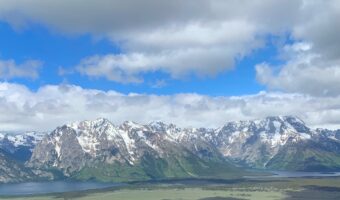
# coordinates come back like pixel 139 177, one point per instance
pixel 54 105
pixel 200 37
pixel 181 38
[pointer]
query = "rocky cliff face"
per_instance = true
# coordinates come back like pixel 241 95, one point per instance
pixel 20 146
pixel 11 171
pixel 256 142
pixel 155 150
pixel 101 150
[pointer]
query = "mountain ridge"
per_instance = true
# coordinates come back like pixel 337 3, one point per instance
pixel 131 147
pixel 98 149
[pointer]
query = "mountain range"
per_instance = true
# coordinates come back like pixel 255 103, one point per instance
pixel 103 151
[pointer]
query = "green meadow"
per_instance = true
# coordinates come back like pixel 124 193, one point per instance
pixel 259 189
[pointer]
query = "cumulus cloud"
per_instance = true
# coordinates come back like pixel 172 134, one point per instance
pixel 200 37
pixel 54 105
pixel 318 24
pixel 312 63
pixel 304 72
pixel 10 69
pixel 199 49
pixel 127 16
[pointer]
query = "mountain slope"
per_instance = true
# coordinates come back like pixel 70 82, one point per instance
pixel 100 150
pixel 308 156
pixel 283 143
pixel 20 146
pixel 130 151
pixel 11 171
pixel 256 142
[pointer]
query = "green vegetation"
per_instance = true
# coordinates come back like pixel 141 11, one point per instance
pixel 170 194
pixel 307 157
pixel 264 189
pixel 184 165
pixel 112 173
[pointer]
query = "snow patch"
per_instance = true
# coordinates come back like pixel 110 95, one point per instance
pixel 129 143
pixel 57 146
pixel 305 136
pixel 88 142
pixel 277 126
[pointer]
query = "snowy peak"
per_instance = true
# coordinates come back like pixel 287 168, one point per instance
pixel 20 146
pixel 283 118
pixel 242 126
pixel 282 123
pixel 100 139
pixel 259 140
pixel 275 131
pixel 24 139
pixel 159 126
pixel 2 136
pixel 332 134
pixel 269 126
pixel 129 125
pixel 90 124
pixel 253 142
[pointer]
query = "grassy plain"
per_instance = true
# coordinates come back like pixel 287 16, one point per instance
pixel 259 189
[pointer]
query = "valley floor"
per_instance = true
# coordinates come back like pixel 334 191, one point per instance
pixel 261 189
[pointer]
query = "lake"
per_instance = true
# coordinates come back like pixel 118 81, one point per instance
pixel 34 188
pixel 293 174
pixel 288 174
pixel 30 188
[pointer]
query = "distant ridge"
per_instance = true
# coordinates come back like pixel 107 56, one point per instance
pixel 100 150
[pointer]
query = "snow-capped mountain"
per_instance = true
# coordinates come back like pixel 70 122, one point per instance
pixel 20 146
pixel 282 142
pixel 15 150
pixel 155 150
pixel 11 171
pixel 256 142
pixel 99 149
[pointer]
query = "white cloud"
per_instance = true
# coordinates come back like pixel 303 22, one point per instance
pixel 318 24
pixel 128 16
pixel 199 49
pixel 54 105
pixel 313 65
pixel 201 37
pixel 10 69
pixel 304 72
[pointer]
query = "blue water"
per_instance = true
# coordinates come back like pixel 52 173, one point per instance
pixel 288 174
pixel 34 188
pixel 293 174
pixel 30 188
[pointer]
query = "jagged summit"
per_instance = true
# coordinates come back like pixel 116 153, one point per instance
pixel 24 139
pixel 269 125
pixel 82 145
pixel 158 125
pixel 293 121
pixel 89 123
pixel 285 118
pixel 279 118
pixel 131 125
pixel 275 142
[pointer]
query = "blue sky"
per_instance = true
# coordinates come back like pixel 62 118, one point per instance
pixel 57 50
pixel 192 63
